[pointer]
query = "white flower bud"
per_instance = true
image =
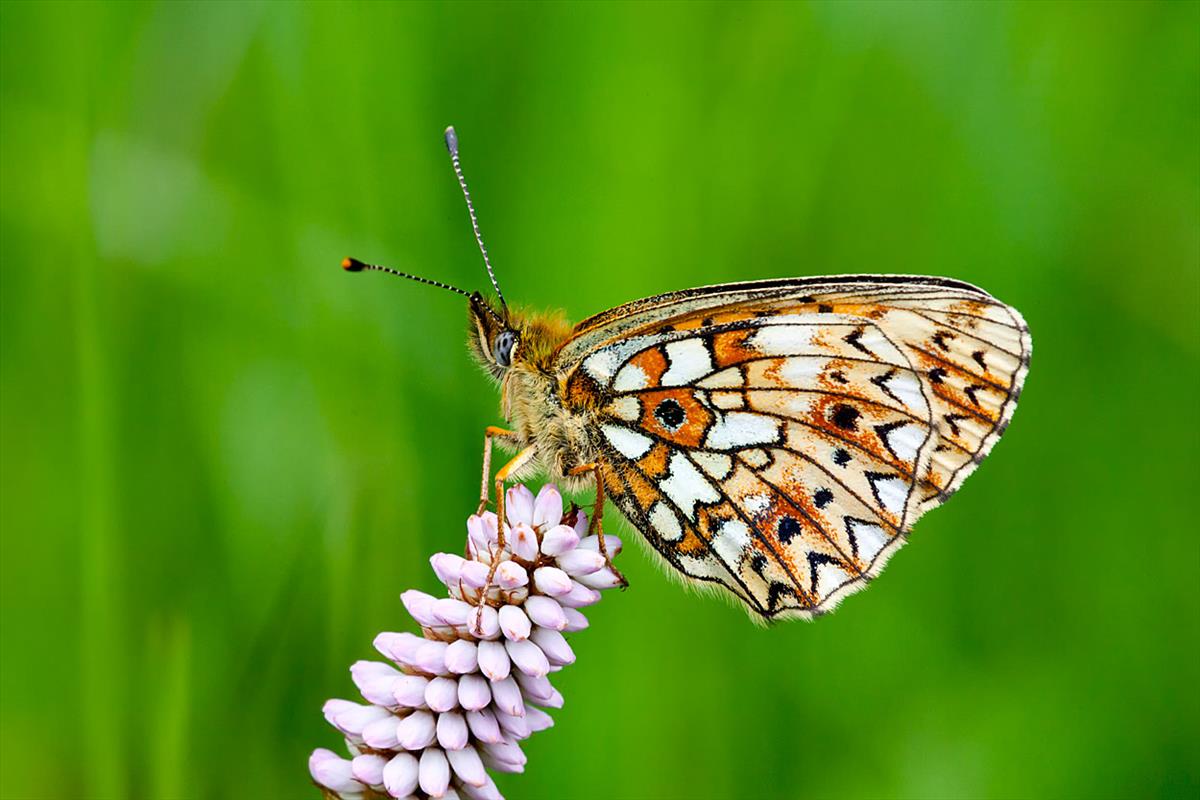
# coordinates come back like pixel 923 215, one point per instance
pixel 477 539
pixel 611 543
pixel 558 540
pixel 494 660
pixel 442 694
pixel 467 766
pixel 523 542
pixel 513 623
pixel 536 689
pixel 514 727
pixel 399 647
pixel 552 643
pixel 332 771
pixel 518 505
pixel 547 507
pixel 381 734
pixel 368 769
pixel 579 562
pixel 461 657
pixel 420 606
pixel 449 611
pixel 603 579
pixel 375 680
pixel 431 657
pixel 576 621
pixel 537 720
pixel 528 658
pixel 486 792
pixel 484 725
pixel 416 731
pixel 473 574
pixel 452 731
pixel 409 690
pixel 484 623
pixel 551 581
pixel 489 526
pixel 545 611
pixel 447 567
pixel 502 766
pixel 506 751
pixel 400 775
pixel 353 718
pixel 474 692
pixel 510 575
pixel 555 701
pixel 579 596
pixel 507 696
pixel 332 708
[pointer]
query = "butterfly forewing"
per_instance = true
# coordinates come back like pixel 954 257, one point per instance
pixel 781 438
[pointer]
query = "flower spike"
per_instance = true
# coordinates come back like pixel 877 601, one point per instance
pixel 457 700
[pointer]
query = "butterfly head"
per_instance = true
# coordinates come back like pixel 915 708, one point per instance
pixel 498 336
pixel 495 336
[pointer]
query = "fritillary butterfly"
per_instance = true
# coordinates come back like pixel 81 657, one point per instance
pixel 775 438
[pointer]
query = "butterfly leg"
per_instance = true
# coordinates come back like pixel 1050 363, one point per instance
pixel 488 435
pixel 522 458
pixel 594 524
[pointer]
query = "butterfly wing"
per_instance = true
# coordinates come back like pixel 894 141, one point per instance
pixel 781 438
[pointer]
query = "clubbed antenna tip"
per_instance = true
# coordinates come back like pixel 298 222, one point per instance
pixel 452 141
pixel 353 265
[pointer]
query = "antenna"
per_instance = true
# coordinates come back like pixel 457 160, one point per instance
pixel 354 265
pixel 452 146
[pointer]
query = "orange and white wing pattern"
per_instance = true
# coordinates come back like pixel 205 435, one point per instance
pixel 781 438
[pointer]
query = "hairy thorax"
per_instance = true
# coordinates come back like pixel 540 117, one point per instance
pixel 531 404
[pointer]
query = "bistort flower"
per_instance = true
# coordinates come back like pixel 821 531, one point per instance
pixel 458 699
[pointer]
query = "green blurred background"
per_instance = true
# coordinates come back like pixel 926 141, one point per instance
pixel 223 458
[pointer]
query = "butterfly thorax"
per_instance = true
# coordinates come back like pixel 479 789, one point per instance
pixel 531 398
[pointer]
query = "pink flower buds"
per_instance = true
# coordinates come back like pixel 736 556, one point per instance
pixel 457 699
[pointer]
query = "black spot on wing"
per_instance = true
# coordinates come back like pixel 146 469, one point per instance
pixel 789 528
pixel 845 417
pixel 670 414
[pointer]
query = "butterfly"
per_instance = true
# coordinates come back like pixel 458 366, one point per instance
pixel 776 439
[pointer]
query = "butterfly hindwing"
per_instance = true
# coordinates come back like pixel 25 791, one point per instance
pixel 782 441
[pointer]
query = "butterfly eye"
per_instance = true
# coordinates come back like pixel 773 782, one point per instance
pixel 503 348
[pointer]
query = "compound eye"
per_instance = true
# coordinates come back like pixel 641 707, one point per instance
pixel 503 348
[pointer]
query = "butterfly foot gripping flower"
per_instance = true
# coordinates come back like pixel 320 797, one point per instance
pixel 456 700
